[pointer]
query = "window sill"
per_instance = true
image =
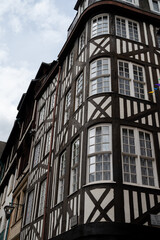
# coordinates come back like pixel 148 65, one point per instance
pixel 141 186
pixel 98 183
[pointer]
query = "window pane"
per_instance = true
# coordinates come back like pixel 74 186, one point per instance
pixel 29 208
pixel 147 172
pixel 42 198
pixel 100 26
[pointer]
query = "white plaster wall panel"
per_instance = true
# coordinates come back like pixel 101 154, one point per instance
pixel 126 206
pixel 157 119
pixel 124 45
pixel 144 203
pixel 88 207
pixel 150 122
pixel 92 48
pixel 91 109
pixel 142 57
pixel 135 203
pixel 148 57
pixel 152 85
pixel 151 198
pixel 128 108
pixel 121 102
pixel 145 33
pixel 118 46
pixel 130 47
pixel 135 107
pixel 156 58
pixel 152 34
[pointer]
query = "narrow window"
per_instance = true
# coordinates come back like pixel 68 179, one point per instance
pixel 100 25
pixel 138 78
pixel 29 208
pixel 67 106
pixel 42 198
pixel 79 91
pixel 100 76
pixel 129 159
pixel 155 5
pixel 41 115
pixel 71 56
pixel 52 101
pixel 62 176
pixel 75 165
pixel 81 42
pixel 99 153
pixel 124 78
pixel 48 141
pixel 36 157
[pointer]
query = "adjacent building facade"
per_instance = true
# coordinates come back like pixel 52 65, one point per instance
pixel 94 167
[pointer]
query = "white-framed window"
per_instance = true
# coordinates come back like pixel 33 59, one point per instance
pixel 100 25
pixel 36 157
pixel 41 115
pixel 75 165
pixel 135 2
pixel 67 106
pixel 29 207
pixel 155 5
pixel 79 91
pixel 82 41
pixel 48 141
pixel 71 58
pixel 42 198
pixel 132 80
pixel 127 28
pixel 100 76
pixel 138 160
pixel 99 153
pixel 62 176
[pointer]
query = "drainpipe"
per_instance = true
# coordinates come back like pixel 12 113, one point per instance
pixel 49 158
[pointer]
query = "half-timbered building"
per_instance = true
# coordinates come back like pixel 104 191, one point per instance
pixel 95 155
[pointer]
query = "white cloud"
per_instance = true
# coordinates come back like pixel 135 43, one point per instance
pixel 31 31
pixel 13 83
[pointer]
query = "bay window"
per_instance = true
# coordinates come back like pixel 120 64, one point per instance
pixel 131 80
pixel 138 160
pixel 155 5
pixel 99 153
pixel 127 29
pixel 100 25
pixel 135 2
pixel 100 76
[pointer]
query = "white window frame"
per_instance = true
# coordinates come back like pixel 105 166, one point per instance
pixel 138 157
pixel 42 195
pixel 152 8
pixel 79 91
pixel 127 20
pixel 75 160
pixel 89 155
pixel 100 76
pixel 101 32
pixel 134 2
pixel 62 176
pixel 132 81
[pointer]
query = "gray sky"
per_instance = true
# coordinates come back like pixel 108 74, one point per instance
pixel 31 32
